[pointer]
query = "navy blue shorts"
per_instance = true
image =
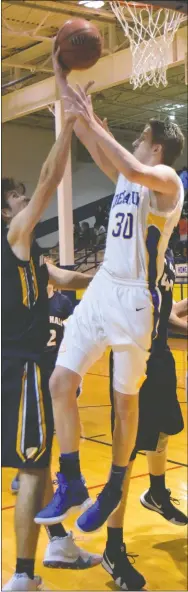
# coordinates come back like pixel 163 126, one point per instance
pixel 159 409
pixel 27 418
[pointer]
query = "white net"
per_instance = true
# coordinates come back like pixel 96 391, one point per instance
pixel 150 33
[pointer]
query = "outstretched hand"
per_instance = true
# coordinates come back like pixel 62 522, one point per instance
pixel 60 71
pixel 77 103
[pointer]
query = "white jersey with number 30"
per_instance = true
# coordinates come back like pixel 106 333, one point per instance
pixel 138 234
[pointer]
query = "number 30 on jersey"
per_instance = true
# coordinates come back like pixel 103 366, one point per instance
pixel 124 225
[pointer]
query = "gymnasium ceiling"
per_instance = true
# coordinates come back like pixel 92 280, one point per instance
pixel 28 27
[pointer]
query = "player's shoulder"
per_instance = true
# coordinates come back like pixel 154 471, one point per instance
pixel 168 171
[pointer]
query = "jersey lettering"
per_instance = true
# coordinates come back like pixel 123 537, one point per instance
pixel 126 198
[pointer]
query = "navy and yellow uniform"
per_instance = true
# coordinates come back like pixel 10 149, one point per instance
pixel 159 409
pixel 27 420
pixel 60 308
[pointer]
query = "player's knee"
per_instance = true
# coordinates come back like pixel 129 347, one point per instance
pixel 61 383
pixel 125 405
pixel 57 383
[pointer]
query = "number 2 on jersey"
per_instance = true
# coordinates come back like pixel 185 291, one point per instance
pixel 52 340
pixel 123 229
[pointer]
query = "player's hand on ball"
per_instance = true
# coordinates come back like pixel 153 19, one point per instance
pixel 60 72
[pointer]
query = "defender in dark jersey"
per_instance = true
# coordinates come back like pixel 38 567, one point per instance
pixel 27 424
pixel 159 416
pixel 61 550
pixel 60 308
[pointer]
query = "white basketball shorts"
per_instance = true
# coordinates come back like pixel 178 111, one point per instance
pixel 111 313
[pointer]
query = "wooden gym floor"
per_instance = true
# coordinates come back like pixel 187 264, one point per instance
pixel 161 546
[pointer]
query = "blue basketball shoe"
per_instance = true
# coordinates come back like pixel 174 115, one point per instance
pixel 97 514
pixel 69 496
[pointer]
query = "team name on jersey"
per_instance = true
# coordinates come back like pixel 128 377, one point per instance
pixel 126 197
pixel 55 321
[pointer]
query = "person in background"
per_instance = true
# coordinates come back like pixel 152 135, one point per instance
pixel 86 237
pixel 77 234
pixel 100 216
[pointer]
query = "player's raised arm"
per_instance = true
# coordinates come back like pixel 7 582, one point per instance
pixel 157 177
pixel 85 136
pixel 83 132
pixel 51 174
pixel 154 151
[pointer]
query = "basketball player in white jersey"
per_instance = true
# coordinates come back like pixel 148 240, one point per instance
pixel 121 306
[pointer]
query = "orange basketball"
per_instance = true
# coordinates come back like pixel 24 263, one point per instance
pixel 80 44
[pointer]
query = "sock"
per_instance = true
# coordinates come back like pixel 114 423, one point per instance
pixel 117 476
pixel 114 540
pixel 157 484
pixel 70 465
pixel 25 566
pixel 56 530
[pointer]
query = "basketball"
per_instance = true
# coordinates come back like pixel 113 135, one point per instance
pixel 80 44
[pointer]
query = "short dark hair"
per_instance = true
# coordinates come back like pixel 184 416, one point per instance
pixel 169 135
pixel 9 184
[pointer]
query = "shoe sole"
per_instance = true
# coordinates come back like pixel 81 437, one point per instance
pixel 48 521
pixel 68 565
pixel 153 509
pixel 60 565
pixel 117 580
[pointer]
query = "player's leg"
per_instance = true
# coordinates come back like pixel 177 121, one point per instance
pixel 129 367
pixel 64 384
pixel 71 491
pixel 125 430
pixel 115 558
pixel 159 396
pixel 158 497
pixel 26 446
pixel 28 503
pixel 81 346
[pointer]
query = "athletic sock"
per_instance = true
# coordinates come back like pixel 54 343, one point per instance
pixel 117 476
pixel 70 465
pixel 25 566
pixel 56 530
pixel 157 485
pixel 114 540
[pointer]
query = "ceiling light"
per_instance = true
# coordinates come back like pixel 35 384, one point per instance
pixel 172 116
pixel 92 4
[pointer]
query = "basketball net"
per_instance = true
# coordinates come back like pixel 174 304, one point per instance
pixel 150 33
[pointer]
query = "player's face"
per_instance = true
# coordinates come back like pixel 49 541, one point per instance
pixel 16 202
pixel 143 146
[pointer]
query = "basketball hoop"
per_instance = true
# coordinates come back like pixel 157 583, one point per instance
pixel 150 33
